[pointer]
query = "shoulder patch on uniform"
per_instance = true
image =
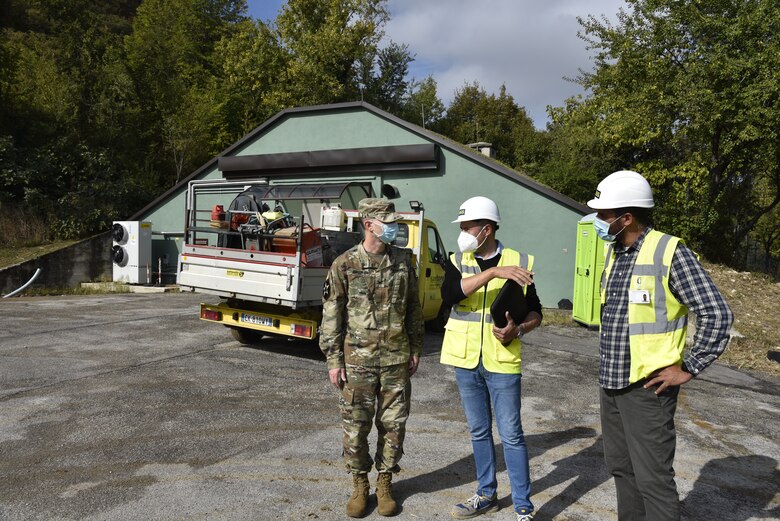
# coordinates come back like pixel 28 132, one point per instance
pixel 326 288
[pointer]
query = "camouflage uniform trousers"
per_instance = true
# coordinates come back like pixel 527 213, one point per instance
pixel 386 390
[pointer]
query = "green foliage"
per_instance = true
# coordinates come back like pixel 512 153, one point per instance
pixel 572 156
pixel 386 86
pixel 474 116
pixel 327 40
pixel 171 57
pixel 107 103
pixel 421 104
pixel 316 52
pixel 766 234
pixel 252 66
pixel 687 92
pixel 63 100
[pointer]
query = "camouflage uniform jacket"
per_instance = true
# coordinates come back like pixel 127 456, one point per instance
pixel 371 310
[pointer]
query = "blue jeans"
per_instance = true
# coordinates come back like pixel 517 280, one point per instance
pixel 479 388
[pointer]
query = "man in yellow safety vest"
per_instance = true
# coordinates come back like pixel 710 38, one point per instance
pixel 650 282
pixel 487 358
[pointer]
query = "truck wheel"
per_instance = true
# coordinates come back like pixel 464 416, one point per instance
pixel 246 337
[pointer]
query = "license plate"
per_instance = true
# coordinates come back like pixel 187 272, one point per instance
pixel 257 320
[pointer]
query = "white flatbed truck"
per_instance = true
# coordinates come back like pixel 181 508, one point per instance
pixel 269 268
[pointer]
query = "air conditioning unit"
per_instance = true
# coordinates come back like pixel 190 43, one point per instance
pixel 131 251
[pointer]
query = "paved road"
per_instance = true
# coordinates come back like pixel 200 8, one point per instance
pixel 128 407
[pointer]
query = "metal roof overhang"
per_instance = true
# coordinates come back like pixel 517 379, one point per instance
pixel 345 160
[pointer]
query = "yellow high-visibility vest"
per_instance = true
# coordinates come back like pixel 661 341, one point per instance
pixel 656 327
pixel 469 330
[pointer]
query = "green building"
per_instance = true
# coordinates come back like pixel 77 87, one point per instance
pixel 361 143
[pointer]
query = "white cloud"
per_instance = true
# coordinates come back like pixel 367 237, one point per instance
pixel 529 45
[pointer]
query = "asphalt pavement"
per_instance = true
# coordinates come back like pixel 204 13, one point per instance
pixel 129 407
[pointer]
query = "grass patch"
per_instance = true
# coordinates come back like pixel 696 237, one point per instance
pixel 559 318
pixel 753 298
pixel 10 255
pixel 79 290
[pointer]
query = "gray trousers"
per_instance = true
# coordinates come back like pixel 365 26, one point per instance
pixel 639 445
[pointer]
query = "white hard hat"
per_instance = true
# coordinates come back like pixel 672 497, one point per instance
pixel 478 208
pixel 623 189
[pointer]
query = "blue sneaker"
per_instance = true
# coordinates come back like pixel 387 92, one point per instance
pixel 474 506
pixel 525 515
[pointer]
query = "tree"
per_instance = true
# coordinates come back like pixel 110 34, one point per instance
pixel 475 116
pixel 170 54
pixel 383 77
pixel 766 233
pixel 327 41
pixel 316 52
pixel 571 156
pixel 253 76
pixel 688 93
pixel 63 99
pixel 421 104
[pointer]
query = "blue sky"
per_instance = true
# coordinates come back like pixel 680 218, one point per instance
pixel 264 9
pixel 529 45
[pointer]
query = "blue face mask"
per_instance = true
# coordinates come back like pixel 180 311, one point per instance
pixel 389 232
pixel 602 229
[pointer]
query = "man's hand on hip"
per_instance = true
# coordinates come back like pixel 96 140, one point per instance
pixel 667 377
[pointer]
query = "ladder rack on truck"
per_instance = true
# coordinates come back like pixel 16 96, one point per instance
pixel 275 269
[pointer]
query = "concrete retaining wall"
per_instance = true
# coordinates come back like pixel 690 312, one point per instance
pixel 85 261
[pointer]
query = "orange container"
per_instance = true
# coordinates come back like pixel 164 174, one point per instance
pixel 285 241
pixel 218 213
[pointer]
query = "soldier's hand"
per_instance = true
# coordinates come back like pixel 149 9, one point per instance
pixel 507 333
pixel 520 275
pixel 337 377
pixel 414 362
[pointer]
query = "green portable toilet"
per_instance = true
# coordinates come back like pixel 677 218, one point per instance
pixel 587 273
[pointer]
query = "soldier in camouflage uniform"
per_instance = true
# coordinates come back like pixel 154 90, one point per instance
pixel 372 335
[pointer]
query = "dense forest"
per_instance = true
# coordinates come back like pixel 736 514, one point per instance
pixel 107 103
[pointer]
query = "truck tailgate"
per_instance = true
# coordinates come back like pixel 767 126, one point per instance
pixel 264 280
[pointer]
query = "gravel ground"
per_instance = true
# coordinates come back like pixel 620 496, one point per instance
pixel 129 407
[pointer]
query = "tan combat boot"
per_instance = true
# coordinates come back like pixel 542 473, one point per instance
pixel 356 506
pixel 387 505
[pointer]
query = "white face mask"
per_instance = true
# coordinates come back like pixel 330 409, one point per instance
pixel 468 243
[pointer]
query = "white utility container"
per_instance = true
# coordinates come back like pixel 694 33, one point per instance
pixel 334 219
pixel 131 251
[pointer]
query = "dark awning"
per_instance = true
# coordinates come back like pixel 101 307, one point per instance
pixel 344 160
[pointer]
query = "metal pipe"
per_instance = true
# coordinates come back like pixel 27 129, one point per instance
pixel 35 276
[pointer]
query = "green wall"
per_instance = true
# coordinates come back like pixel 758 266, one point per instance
pixel 300 132
pixel 532 222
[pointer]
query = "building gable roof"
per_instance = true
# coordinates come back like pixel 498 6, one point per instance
pixel 442 141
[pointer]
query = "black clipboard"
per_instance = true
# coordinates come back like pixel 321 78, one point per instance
pixel 511 298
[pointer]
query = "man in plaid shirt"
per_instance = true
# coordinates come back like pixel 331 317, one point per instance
pixel 651 280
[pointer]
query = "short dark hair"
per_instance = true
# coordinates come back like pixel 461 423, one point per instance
pixel 494 224
pixel 643 215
